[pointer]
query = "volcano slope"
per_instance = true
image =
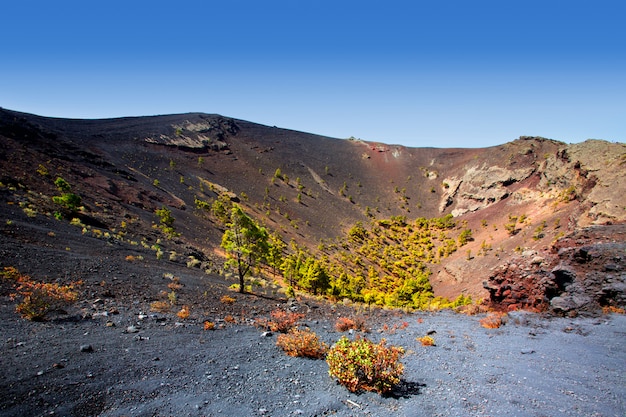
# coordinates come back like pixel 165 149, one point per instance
pixel 547 223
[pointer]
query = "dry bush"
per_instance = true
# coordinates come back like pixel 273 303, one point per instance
pixel 613 309
pixel 302 343
pixel 183 313
pixel 209 325
pixel 226 299
pixel 469 309
pixel 395 327
pixel 493 320
pixel 230 319
pixel 364 365
pixel 160 306
pixel 426 341
pixel 130 258
pixel 175 285
pixel 281 321
pixel 343 324
pixel 39 298
pixel 11 273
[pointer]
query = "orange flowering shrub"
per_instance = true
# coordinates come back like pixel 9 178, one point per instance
pixel 613 309
pixel 226 299
pixel 160 306
pixel 183 313
pixel 364 365
pixel 39 298
pixel 302 343
pixel 175 285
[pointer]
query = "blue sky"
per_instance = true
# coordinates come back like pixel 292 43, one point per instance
pixel 437 73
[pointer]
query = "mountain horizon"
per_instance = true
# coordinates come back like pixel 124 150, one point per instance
pixel 518 199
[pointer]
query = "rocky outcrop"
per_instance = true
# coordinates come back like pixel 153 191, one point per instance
pixel 198 135
pixel 592 172
pixel 479 187
pixel 582 273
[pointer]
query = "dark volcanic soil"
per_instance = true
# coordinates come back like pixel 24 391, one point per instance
pixel 91 362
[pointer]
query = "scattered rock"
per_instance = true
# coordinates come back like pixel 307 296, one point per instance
pixel 132 329
pixel 86 348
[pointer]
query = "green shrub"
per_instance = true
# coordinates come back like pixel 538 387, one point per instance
pixel 364 365
pixel 66 199
pixel 465 236
pixel 166 222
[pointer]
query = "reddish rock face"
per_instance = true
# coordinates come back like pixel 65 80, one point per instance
pixel 582 273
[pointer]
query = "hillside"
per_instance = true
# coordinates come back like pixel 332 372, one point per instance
pixel 546 219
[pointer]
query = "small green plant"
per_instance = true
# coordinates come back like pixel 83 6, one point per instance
pixel 538 234
pixel 302 343
pixel 511 226
pixel 465 236
pixel 364 365
pixel 193 262
pixel 42 170
pixel 568 194
pixel 172 297
pixel 166 222
pixel 290 293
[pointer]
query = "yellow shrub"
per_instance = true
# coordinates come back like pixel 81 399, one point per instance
pixel 426 341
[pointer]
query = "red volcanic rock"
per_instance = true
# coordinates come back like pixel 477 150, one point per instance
pixel 583 272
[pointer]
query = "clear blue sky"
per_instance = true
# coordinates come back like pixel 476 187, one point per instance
pixel 418 73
